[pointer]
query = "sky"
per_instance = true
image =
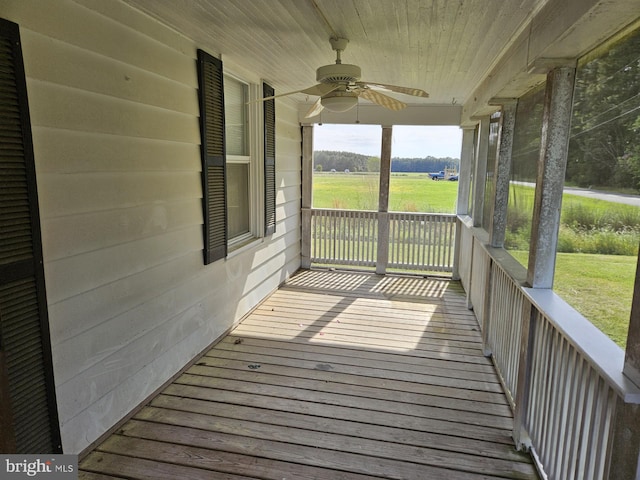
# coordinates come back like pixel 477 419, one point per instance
pixel 408 141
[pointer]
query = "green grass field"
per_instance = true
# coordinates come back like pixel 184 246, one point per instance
pixel 598 286
pixel 414 192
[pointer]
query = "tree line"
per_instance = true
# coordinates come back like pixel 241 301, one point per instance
pixel 326 161
pixel 604 146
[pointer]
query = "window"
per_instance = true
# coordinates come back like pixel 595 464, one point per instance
pixel 346 166
pixel 524 168
pixel 239 161
pixel 419 152
pixel 346 170
pixel 235 184
pixel 490 181
pixel 599 233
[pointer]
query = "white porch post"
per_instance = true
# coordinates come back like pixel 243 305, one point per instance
pixel 480 172
pixel 554 145
pixel 498 220
pixel 307 194
pixel 625 451
pixel 498 223
pixel 383 201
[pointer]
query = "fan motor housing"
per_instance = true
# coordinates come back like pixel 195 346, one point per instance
pixel 338 73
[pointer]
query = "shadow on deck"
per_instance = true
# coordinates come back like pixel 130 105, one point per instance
pixel 335 376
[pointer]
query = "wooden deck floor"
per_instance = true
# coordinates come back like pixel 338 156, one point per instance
pixel 335 376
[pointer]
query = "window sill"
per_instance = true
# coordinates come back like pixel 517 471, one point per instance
pixel 242 246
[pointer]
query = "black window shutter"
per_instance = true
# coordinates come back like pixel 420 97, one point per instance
pixel 214 190
pixel 269 161
pixel 28 413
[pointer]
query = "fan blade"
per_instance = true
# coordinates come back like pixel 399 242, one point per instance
pixel 383 100
pixel 315 109
pixel 319 90
pixel 416 92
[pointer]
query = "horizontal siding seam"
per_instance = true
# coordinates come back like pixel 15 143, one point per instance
pixel 107 134
pixel 34 82
pixel 131 373
pixel 64 329
pixel 120 23
pixel 51 260
pixel 98 55
pixel 48 266
pixel 155 326
pixel 105 22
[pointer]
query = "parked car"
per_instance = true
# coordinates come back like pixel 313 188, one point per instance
pixel 453 178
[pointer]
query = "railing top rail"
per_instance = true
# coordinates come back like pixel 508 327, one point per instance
pixel 600 351
pixel 341 210
pixel 424 214
pixel 417 214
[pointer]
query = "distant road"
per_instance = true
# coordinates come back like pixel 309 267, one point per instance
pixel 608 196
pixel 597 194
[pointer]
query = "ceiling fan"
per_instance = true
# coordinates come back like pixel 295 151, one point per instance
pixel 340 87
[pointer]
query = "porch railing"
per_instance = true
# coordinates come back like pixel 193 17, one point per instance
pixel 562 375
pixel 403 241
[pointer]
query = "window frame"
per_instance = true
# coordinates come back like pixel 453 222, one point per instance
pixel 262 188
pixel 255 151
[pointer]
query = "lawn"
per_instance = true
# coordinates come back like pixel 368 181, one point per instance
pixel 413 192
pixel 599 286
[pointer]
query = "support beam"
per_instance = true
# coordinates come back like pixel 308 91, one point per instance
pixel 385 169
pixel 554 144
pixel 307 194
pixel 632 356
pixel 498 223
pixel 480 172
pixel 520 435
pixel 383 201
pixel 625 450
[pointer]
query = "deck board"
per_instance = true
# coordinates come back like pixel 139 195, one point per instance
pixel 335 376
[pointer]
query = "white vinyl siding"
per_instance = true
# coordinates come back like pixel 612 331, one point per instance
pixel 113 99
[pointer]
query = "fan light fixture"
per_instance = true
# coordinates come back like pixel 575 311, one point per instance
pixel 339 101
pixel 339 87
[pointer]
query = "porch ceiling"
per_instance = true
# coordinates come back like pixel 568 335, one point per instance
pixel 447 48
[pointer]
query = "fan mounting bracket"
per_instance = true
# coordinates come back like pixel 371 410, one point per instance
pixel 338 44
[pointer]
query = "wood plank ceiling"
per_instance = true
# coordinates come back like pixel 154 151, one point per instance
pixel 445 47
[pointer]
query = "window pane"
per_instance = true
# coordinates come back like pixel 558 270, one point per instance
pixel 524 168
pixel 600 218
pixel 346 166
pixel 235 111
pixel 472 170
pixel 420 153
pixel 490 186
pixel 237 199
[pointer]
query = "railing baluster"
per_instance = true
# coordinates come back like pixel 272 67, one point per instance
pixel 440 242
pixel 358 238
pixel 393 223
pixel 422 241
